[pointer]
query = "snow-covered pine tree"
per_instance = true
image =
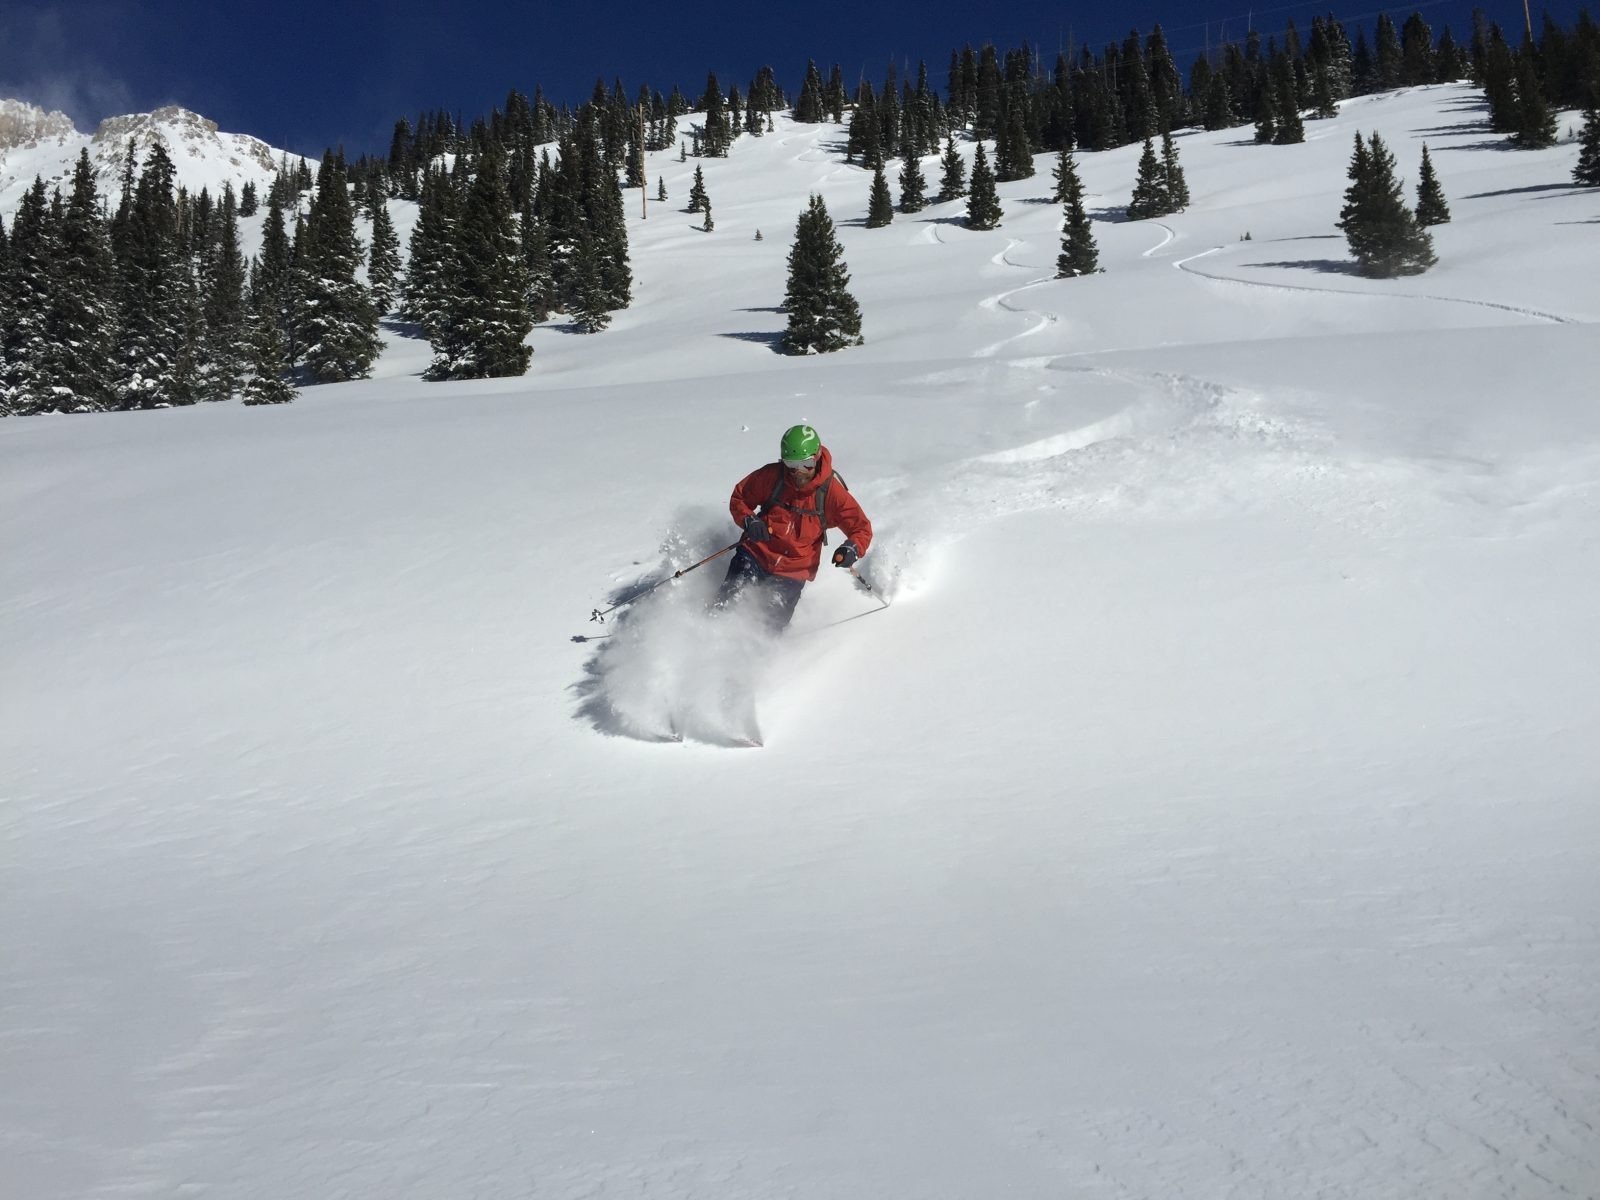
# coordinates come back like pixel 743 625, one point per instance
pixel 338 323
pixel 697 191
pixel 1064 166
pixel 488 316
pixel 983 201
pixel 1535 121
pixel 222 298
pixel 153 293
pixel 1267 112
pixel 1079 254
pixel 1219 104
pixel 1172 172
pixel 83 309
pixel 542 295
pixel 913 184
pixel 953 171
pixel 5 313
pixel 267 382
pixel 383 260
pixel 880 204
pixel 25 339
pixel 1291 129
pixel 1587 172
pixel 1014 155
pixel 823 315
pixel 587 301
pixel 808 108
pixel 718 131
pixel 1150 198
pixel 1432 208
pixel 429 263
pixel 1382 232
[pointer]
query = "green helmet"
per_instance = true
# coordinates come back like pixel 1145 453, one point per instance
pixel 799 442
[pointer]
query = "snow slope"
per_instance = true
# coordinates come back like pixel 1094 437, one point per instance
pixel 1212 814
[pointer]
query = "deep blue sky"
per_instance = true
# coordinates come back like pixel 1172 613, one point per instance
pixel 308 75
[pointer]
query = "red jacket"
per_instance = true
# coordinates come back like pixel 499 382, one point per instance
pixel 794 549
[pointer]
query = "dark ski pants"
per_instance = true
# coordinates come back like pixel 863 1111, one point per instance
pixel 748 583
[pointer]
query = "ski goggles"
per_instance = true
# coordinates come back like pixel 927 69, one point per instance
pixel 801 464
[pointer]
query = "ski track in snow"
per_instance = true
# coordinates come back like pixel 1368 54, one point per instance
pixel 1164 242
pixel 1182 264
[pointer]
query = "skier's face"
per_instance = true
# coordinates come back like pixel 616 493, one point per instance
pixel 801 472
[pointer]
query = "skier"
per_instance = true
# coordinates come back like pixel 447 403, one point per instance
pixel 785 509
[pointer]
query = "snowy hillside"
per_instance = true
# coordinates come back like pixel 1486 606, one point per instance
pixel 34 143
pixel 1213 812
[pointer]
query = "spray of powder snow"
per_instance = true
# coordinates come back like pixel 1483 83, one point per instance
pixel 675 667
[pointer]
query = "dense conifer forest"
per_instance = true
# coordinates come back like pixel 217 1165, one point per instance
pixel 145 300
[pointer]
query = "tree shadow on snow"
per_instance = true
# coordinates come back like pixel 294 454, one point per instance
pixel 1477 128
pixel 1324 266
pixel 766 308
pixel 773 341
pixel 1559 188
pixel 1501 142
pixel 405 329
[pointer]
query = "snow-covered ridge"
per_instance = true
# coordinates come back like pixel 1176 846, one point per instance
pixel 34 143
pixel 23 124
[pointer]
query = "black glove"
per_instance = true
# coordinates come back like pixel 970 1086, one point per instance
pixel 846 555
pixel 755 528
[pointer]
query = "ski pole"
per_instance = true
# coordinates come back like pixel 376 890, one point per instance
pixel 868 586
pixel 599 615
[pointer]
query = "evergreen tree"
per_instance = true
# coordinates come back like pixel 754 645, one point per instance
pixel 222 298
pixel 83 309
pixel 488 315
pixel 661 189
pixel 953 174
pixel 27 385
pixel 718 131
pixel 808 108
pixel 1291 129
pixel 1416 52
pixel 1017 160
pixel 1219 104
pixel 1172 172
pixel 1079 253
pixel 880 205
pixel 268 362
pixel 1535 122
pixel 249 205
pixel 383 260
pixel 586 293
pixel 1587 172
pixel 983 201
pixel 336 320
pixel 542 295
pixel 823 315
pixel 1064 166
pixel 1389 55
pixel 269 281
pixel 913 185
pixel 697 192
pixel 1382 232
pixel 1267 114
pixel 1432 208
pixel 152 306
pixel 1150 197
pixel 429 265
pixel 1499 77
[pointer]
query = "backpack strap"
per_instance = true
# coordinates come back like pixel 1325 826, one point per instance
pixel 821 494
